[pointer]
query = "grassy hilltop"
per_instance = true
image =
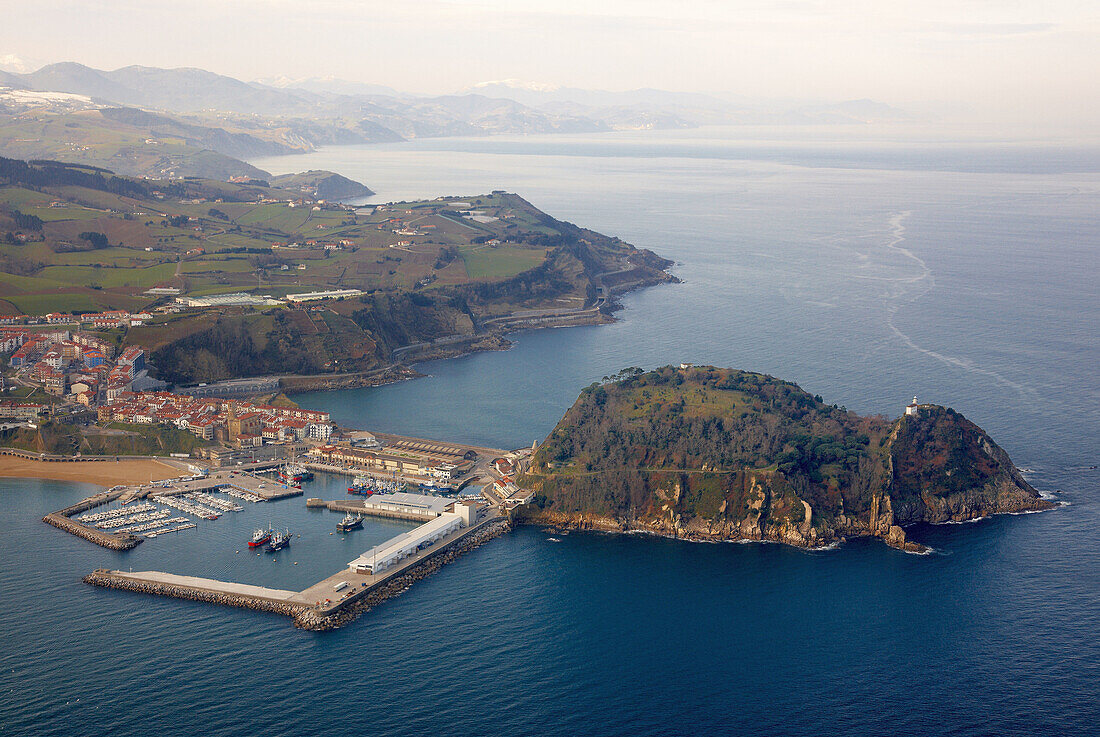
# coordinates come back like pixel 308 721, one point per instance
pixel 725 454
pixel 80 239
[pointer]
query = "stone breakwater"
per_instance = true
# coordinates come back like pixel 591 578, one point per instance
pixel 314 619
pixel 62 520
pixel 107 579
pixel 308 616
pixel 114 541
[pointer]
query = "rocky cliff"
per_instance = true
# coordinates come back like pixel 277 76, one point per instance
pixel 719 454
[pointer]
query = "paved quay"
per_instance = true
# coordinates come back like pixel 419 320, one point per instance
pixel 207 584
pixel 327 598
pixel 320 606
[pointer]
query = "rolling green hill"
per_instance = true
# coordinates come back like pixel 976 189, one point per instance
pixel 82 239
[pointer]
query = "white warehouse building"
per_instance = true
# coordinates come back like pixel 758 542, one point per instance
pixel 465 513
pixel 383 556
pixel 401 502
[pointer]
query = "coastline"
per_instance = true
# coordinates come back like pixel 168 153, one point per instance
pixel 582 523
pixel 893 536
pixel 455 346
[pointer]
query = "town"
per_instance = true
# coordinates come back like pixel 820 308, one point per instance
pixel 247 451
pixel 62 361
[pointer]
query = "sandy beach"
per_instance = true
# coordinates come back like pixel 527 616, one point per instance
pixel 104 473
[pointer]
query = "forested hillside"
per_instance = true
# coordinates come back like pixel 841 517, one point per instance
pixel 730 454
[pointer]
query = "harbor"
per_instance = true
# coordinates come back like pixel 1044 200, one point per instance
pixel 327 604
pixel 199 495
pixel 406 510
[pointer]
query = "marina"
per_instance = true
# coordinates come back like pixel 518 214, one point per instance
pixel 247 496
pixel 126 522
pixel 413 532
pixel 155 524
pixel 213 501
pixel 189 507
pixel 166 530
pixel 95 519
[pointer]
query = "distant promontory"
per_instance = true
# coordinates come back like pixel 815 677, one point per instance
pixel 719 454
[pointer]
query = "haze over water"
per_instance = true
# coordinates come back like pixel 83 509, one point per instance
pixel 964 274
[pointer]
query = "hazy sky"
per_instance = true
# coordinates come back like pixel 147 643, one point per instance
pixel 1019 59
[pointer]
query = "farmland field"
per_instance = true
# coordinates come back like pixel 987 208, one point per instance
pixel 501 262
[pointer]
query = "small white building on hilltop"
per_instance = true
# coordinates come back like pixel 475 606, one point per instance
pixel 911 410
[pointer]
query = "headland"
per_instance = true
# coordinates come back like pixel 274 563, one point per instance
pixel 717 454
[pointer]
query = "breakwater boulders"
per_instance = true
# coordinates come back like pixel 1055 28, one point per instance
pixel 112 540
pixel 315 619
pixel 108 579
pixel 61 519
pixel 308 616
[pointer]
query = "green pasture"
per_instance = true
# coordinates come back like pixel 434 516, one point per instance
pixel 500 262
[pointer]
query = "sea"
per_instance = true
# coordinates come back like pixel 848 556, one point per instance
pixel 867 266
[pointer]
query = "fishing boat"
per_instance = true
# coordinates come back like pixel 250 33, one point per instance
pixel 278 541
pixel 365 485
pixel 349 523
pixel 293 473
pixel 361 485
pixel 259 537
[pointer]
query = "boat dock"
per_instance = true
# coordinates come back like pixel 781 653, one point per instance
pixel 188 494
pixel 449 527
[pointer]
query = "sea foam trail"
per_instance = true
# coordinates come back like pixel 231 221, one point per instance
pixel 927 282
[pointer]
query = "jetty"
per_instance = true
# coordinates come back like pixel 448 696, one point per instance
pixel 188 494
pixel 448 526
pixel 328 604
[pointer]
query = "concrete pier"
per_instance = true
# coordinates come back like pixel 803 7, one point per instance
pixel 62 519
pixel 357 506
pixel 322 606
pixel 198 589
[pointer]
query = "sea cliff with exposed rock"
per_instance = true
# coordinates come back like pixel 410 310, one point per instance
pixel 705 453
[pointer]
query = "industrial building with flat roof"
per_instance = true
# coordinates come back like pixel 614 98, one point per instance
pixel 465 514
pixel 405 503
pixel 331 294
pixel 236 299
pixel 381 557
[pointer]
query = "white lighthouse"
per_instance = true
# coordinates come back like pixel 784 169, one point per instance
pixel 911 410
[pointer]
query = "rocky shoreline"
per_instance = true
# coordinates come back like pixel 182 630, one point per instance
pixel 702 530
pixel 330 382
pixel 694 531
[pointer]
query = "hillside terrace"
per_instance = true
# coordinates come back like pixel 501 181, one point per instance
pixel 239 423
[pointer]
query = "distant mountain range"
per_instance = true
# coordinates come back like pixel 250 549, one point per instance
pixel 684 109
pixel 506 106
pixel 121 114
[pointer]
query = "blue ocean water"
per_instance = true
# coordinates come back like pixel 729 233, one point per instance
pixel 964 274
